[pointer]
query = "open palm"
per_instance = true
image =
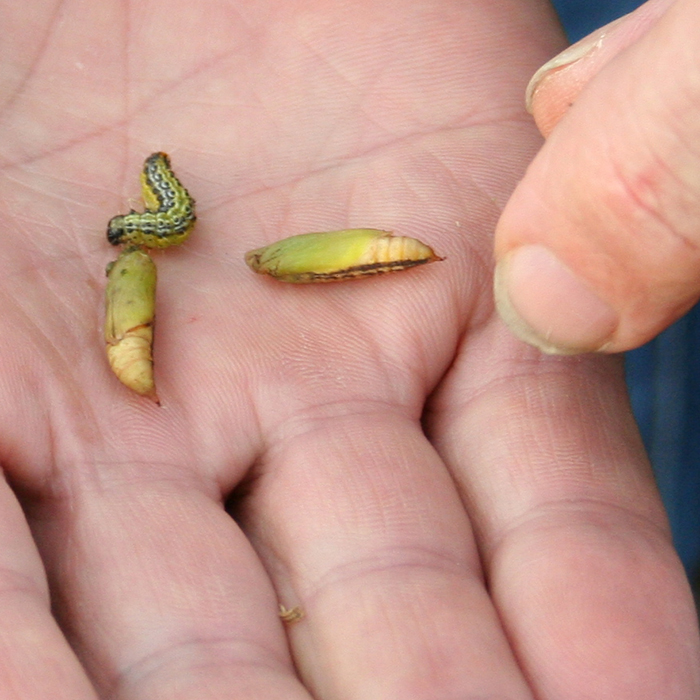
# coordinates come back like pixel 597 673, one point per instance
pixel 514 556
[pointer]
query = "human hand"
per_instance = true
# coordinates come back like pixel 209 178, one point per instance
pixel 606 219
pixel 527 556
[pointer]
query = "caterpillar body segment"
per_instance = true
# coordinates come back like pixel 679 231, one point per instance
pixel 169 215
pixel 129 319
pixel 339 255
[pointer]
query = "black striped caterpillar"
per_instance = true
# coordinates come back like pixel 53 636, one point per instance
pixel 169 215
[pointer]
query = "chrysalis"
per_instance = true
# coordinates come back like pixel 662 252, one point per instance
pixel 130 314
pixel 339 255
pixel 169 215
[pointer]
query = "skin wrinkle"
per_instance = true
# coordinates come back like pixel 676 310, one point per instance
pixel 13 583
pixel 319 417
pixel 548 367
pixel 451 421
pixel 124 121
pixel 596 512
pixel 383 365
pixel 381 562
pixel 346 161
pixel 45 154
pixel 241 653
pixel 472 250
pixel 227 483
pixel 51 347
pixel 651 210
pixel 15 94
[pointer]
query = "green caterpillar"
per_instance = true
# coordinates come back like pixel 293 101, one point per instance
pixel 169 215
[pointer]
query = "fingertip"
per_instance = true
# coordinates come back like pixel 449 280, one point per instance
pixel 555 86
pixel 546 305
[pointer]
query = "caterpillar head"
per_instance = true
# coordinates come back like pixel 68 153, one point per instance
pixel 116 230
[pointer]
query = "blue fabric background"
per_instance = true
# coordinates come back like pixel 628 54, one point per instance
pixel 664 375
pixel 580 17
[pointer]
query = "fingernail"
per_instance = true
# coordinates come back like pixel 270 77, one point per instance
pixel 546 305
pixel 573 53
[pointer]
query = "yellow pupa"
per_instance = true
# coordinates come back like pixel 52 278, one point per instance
pixel 339 255
pixel 129 319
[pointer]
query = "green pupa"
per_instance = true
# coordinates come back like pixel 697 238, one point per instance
pixel 130 315
pixel 339 255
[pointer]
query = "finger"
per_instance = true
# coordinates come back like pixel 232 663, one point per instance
pixel 571 529
pixel 36 662
pixel 557 84
pixel 599 246
pixel 161 594
pixel 360 526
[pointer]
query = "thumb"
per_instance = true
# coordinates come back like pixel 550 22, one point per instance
pixel 557 84
pixel 599 245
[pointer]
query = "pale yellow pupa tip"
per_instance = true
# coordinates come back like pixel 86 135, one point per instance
pixel 132 362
